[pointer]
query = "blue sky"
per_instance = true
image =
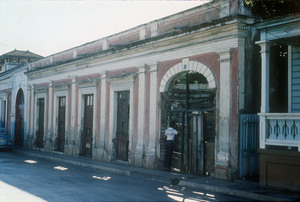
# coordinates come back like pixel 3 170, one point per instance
pixel 46 27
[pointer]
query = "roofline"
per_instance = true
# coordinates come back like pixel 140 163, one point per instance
pixel 277 22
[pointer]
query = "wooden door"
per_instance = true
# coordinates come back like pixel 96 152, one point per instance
pixel 40 123
pixel 87 136
pixel 61 124
pixel 3 114
pixel 19 124
pixel 122 136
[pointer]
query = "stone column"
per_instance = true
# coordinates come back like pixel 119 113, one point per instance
pixel 141 117
pixel 223 143
pixel 150 155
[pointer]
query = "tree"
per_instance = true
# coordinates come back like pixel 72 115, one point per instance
pixel 268 9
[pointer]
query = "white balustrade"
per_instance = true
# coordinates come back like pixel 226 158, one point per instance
pixel 281 129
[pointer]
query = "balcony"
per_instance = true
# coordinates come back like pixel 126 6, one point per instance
pixel 280 129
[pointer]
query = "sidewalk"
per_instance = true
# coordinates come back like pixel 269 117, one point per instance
pixel 252 191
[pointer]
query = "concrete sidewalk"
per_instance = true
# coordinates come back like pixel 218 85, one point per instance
pixel 252 191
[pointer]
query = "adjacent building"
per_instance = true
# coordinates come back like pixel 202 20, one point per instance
pixel 280 102
pixel 13 88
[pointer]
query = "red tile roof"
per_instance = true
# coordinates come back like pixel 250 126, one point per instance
pixel 21 54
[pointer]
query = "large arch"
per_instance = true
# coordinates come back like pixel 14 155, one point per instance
pixel 187 65
pixel 188 98
pixel 19 123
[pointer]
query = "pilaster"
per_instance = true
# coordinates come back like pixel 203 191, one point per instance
pixel 50 144
pixel 150 154
pixel 32 115
pixel 141 116
pixel 223 143
pixel 71 141
pixel 103 115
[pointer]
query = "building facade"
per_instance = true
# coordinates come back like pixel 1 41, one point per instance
pixel 13 88
pixel 112 99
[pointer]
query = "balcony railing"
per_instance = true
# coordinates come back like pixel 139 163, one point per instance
pixel 280 129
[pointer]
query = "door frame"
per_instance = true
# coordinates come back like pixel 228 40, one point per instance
pixel 20 131
pixel 90 89
pixel 127 137
pixel 118 84
pixel 57 95
pixel 37 97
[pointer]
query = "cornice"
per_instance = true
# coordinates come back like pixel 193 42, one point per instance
pixel 203 30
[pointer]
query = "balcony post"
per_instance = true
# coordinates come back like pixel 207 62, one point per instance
pixel 265 74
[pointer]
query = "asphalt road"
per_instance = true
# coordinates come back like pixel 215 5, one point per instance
pixel 24 178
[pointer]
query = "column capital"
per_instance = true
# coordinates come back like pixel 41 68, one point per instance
pixel 142 69
pixel 265 46
pixel 153 67
pixel 103 74
pixel 224 55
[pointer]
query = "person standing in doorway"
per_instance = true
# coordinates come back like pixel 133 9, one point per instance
pixel 170 134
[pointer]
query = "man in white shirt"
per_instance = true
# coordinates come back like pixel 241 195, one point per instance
pixel 170 134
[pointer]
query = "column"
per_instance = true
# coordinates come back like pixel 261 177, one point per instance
pixel 50 137
pixel 152 116
pixel 32 116
pixel 103 112
pixel 224 124
pixel 71 142
pixel 241 71
pixel 141 116
pixel 28 117
pixel 265 74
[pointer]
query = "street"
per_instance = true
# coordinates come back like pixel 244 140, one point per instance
pixel 24 178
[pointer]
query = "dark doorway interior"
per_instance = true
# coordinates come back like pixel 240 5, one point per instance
pixel 19 124
pixel 3 114
pixel 87 136
pixel 278 78
pixel 39 142
pixel 61 124
pixel 122 136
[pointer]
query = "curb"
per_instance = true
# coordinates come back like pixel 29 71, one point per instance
pixel 231 192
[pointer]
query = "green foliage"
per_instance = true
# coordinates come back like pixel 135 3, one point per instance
pixel 192 77
pixel 268 9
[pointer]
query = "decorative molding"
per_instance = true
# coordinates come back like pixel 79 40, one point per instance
pixel 187 65
pixel 88 83
pixel 120 82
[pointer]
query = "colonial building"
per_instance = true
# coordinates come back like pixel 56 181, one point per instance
pixel 280 102
pixel 13 88
pixel 111 99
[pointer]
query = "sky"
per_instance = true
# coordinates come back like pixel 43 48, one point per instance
pixel 46 27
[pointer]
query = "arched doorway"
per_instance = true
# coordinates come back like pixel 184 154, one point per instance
pixel 19 123
pixel 189 100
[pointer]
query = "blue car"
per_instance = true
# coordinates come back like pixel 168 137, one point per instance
pixel 5 141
